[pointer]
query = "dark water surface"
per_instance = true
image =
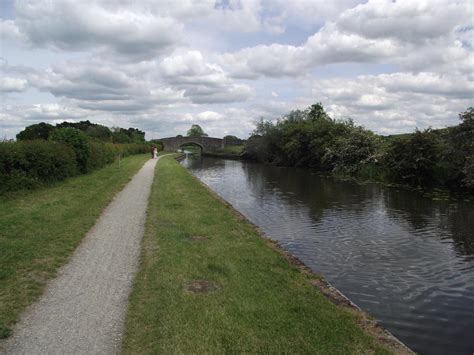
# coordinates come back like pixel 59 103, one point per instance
pixel 407 260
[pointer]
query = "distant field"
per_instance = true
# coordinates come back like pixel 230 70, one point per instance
pixel 232 149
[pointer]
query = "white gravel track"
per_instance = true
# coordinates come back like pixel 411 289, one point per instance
pixel 82 311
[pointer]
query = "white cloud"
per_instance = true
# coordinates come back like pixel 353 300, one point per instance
pixel 84 25
pixel 163 65
pixel 395 103
pixel 201 81
pixel 8 84
pixel 410 34
pixel 406 20
pixel 209 116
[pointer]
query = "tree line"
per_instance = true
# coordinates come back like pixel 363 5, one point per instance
pixel 44 153
pixel 92 130
pixel 423 159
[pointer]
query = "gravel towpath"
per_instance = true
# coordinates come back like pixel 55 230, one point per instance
pixel 82 310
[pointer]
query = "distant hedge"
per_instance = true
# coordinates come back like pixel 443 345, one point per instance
pixel 29 164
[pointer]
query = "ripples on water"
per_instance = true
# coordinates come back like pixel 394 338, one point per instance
pixel 407 260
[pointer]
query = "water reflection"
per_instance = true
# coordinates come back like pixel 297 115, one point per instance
pixel 407 260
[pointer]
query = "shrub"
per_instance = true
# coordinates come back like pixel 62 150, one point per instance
pixel 100 155
pixel 26 165
pixel 78 141
pixel 412 159
pixel 30 164
pixel 36 131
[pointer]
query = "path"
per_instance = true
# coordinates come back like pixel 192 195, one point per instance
pixel 82 310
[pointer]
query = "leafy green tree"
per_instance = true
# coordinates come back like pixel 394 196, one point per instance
pixel 36 131
pixel 118 136
pixel 459 153
pixel 130 135
pixel 136 136
pixel 412 159
pixel 78 141
pixel 196 131
pixel 311 138
pixel 100 132
pixel 316 112
pixel 353 151
pixel 82 125
pixel 232 140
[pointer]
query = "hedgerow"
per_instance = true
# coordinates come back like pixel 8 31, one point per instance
pixel 30 164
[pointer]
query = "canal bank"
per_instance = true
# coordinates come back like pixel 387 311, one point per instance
pixel 405 259
pixel 209 283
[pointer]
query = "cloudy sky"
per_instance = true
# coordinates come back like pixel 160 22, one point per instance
pixel 162 65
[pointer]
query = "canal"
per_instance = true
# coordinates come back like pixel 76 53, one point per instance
pixel 406 259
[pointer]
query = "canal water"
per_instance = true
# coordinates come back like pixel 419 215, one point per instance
pixel 406 259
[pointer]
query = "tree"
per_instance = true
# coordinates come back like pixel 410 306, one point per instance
pixel 82 125
pixel 36 131
pixel 76 139
pixel 232 140
pixel 459 153
pixel 412 159
pixel 100 132
pixel 316 112
pixel 196 131
pixel 131 135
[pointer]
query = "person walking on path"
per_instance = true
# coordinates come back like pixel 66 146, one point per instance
pixel 155 152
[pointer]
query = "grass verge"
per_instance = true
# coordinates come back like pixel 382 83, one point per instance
pixel 229 152
pixel 40 229
pixel 257 302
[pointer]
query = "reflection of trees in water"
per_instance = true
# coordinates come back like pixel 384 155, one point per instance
pixel 460 222
pixel 298 186
pixel 444 218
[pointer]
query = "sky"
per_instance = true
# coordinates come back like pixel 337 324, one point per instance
pixel 163 65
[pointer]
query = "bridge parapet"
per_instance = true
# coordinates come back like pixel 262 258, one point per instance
pixel 206 143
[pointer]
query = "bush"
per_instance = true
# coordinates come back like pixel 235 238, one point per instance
pixel 78 141
pixel 36 131
pixel 29 164
pixel 100 155
pixel 412 159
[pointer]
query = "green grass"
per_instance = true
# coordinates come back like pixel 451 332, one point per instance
pixel 232 149
pixel 262 304
pixel 40 229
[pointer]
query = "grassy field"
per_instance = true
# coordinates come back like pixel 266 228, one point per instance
pixel 232 149
pixel 228 152
pixel 40 229
pixel 208 283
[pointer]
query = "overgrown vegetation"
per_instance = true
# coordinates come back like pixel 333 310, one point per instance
pixel 233 141
pixel 44 154
pixel 424 159
pixel 251 300
pixel 92 130
pixel 40 229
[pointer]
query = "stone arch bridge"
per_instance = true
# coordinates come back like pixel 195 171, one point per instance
pixel 205 143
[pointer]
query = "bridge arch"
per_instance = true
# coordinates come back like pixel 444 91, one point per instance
pixel 187 144
pixel 206 143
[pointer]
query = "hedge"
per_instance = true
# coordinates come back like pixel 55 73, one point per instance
pixel 30 164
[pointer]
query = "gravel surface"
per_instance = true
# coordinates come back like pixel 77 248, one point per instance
pixel 82 311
